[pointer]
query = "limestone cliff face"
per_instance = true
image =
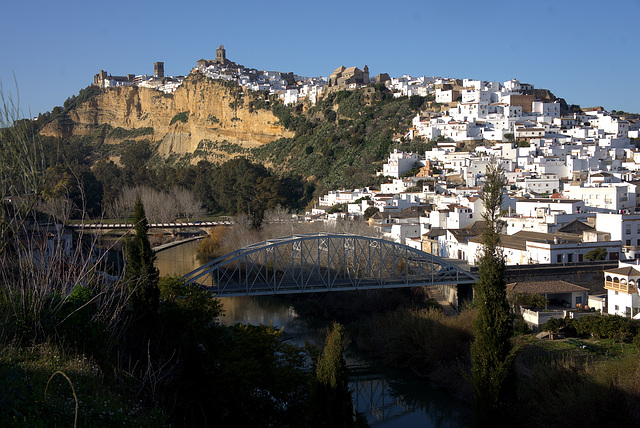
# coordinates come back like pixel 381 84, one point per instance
pixel 218 116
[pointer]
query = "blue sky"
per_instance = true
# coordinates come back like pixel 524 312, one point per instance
pixel 584 51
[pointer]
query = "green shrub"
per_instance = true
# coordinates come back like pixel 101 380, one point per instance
pixel 532 300
pixel 180 117
pixel 553 325
pixel 370 212
pixel 596 254
pixel 130 133
pixel 337 208
pixel 521 327
pixel 636 341
pixel 607 327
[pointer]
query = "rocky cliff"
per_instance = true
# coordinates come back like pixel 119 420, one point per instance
pixel 214 119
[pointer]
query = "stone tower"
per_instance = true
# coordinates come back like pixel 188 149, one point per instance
pixel 221 55
pixel 158 69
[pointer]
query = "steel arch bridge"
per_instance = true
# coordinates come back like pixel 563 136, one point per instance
pixel 324 262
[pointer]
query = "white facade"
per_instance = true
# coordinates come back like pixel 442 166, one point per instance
pixel 540 207
pixel 622 227
pixel 398 202
pixel 398 185
pixel 606 197
pixel 399 163
pixel 547 110
pixel 546 183
pixel 343 196
pixel 622 290
pixel 525 248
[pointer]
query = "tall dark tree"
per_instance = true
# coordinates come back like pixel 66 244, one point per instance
pixel 140 271
pixel 330 395
pixel 493 372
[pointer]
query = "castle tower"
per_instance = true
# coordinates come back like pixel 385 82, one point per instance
pixel 158 69
pixel 221 55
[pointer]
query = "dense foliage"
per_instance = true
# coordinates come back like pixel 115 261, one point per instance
pixel 596 326
pixel 596 254
pixel 344 138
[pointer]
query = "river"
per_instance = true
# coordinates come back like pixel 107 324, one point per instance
pixel 388 398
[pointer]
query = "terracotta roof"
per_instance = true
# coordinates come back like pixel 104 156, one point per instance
pixel 407 213
pixel 435 232
pixel 627 271
pixel 546 237
pixel 473 230
pixel 575 226
pixel 518 240
pixel 557 286
pixel 508 241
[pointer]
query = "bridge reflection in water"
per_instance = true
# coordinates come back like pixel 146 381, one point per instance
pixel 387 402
pixel 321 263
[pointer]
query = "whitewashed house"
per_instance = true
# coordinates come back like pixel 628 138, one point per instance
pixel 622 285
pixel 399 163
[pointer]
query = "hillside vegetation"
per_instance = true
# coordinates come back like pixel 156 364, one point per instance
pixel 102 141
pixel 344 138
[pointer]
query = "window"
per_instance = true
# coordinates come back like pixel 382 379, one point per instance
pixel 627 229
pixel 627 242
pixel 617 308
pixel 559 258
pixel 569 257
pixel 578 300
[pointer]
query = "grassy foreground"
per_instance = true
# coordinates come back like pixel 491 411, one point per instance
pixel 41 386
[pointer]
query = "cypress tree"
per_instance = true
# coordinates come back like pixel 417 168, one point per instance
pixel 493 371
pixel 140 271
pixel 330 395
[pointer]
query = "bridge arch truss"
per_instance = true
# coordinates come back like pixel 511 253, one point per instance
pixel 321 263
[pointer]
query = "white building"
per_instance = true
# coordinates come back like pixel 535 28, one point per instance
pixel 601 197
pixel 343 196
pixel 395 202
pixel 399 163
pixel 622 290
pixel 622 227
pixel 525 248
pixel 543 206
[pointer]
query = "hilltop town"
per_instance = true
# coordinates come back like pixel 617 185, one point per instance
pixel 572 172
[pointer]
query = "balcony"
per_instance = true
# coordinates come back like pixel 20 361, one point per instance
pixel 621 287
